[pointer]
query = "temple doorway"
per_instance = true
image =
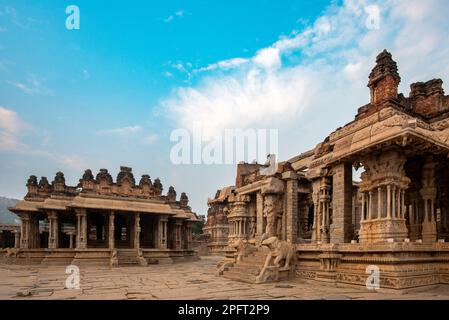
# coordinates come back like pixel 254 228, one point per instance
pixel 123 230
pixel 67 232
pixel 148 225
pixel 96 227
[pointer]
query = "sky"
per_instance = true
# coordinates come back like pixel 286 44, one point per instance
pixel 112 92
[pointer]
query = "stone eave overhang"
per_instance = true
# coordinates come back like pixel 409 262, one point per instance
pixel 252 187
pixel 9 227
pixel 101 203
pixel 399 139
pixel 25 206
pixel 224 194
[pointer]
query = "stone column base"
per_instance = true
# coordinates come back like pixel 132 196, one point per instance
pixel 429 232
pixel 382 230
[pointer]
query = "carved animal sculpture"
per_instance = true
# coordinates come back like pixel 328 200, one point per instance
pixel 12 252
pixel 280 251
pixel 114 259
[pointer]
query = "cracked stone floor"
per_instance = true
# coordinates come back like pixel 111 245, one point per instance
pixel 182 281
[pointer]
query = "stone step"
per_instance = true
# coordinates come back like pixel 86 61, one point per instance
pixel 240 277
pixel 121 263
pixel 252 271
pixel 126 254
pixel 255 260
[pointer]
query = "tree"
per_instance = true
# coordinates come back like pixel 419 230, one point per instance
pixel 198 226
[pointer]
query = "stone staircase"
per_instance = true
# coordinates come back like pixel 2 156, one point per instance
pixel 92 257
pixel 128 257
pixel 248 268
pixel 59 257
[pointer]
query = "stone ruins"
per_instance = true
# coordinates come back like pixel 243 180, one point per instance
pixel 309 219
pixel 102 222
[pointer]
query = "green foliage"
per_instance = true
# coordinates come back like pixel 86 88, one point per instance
pixel 198 226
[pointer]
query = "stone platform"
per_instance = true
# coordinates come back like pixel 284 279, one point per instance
pixel 192 280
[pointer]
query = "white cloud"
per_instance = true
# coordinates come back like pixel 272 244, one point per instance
pixel 326 65
pixel 123 131
pixel 224 65
pixel 268 58
pixel 10 121
pixel 177 14
pixel 32 85
pixel 11 126
pixel 151 139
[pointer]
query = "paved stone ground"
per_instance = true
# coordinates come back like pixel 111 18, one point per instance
pixel 190 280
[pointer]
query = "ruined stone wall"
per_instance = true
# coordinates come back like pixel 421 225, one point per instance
pixel 342 192
pixel 427 98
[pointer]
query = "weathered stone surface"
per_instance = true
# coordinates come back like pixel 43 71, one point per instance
pixel 188 281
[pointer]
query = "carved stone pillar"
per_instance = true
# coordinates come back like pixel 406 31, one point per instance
pixel 291 210
pixel 428 193
pixel 111 230
pixel 53 230
pixel 259 214
pixel 163 232
pixel 189 226
pixel 178 235
pixel 137 231
pixel 341 230
pixel 384 171
pixel 25 231
pixel 362 215
pixel 81 229
pixel 70 240
pixel 238 215
pixel 17 239
pixel 316 236
pixel 324 207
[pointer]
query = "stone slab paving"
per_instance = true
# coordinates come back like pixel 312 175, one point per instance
pixel 184 281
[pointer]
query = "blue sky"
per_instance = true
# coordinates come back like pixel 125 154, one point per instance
pixel 111 93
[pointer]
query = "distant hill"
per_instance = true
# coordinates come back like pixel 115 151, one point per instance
pixel 6 216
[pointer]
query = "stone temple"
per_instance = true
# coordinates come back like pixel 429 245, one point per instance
pixel 102 222
pixel 308 218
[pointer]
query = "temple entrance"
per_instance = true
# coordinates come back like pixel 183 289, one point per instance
pixel 310 217
pixel 96 228
pixel 171 234
pixel 67 233
pixel 123 230
pixel 148 234
pixel 6 239
pixel 39 231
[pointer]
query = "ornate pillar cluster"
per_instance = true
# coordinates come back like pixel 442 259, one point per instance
pixel 260 227
pixel 324 207
pixel 111 229
pixel 178 234
pixel 53 230
pixel 238 217
pixel 25 231
pixel 316 236
pixel 162 227
pixel 137 231
pixel 70 234
pixel 17 239
pixel 383 198
pixel 81 229
pixel 342 230
pixel 189 233
pixel 291 211
pixel 428 193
